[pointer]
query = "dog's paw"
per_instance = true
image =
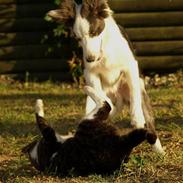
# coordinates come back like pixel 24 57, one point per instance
pixel 157 147
pixel 138 121
pixel 89 90
pixel 138 125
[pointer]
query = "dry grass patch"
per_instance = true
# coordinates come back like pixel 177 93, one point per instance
pixel 64 105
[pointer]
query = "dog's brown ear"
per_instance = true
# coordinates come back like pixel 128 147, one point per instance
pixel 97 9
pixel 103 9
pixel 65 13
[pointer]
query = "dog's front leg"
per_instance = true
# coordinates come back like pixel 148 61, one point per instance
pixel 93 80
pixel 132 76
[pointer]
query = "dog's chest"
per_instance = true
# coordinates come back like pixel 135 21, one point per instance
pixel 109 77
pixel 109 74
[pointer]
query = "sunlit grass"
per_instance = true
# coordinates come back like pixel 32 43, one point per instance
pixel 64 107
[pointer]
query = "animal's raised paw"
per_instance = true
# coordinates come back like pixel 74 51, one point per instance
pixel 39 107
pixel 88 90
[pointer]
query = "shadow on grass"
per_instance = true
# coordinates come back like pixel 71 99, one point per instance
pixel 11 169
pixel 64 99
pixel 170 123
pixel 22 104
pixel 62 126
pixel 164 123
pixel 67 124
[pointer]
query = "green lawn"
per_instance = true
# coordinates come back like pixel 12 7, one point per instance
pixel 64 106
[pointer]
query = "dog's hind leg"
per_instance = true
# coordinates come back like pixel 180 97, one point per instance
pixel 148 114
pixel 132 77
pixel 147 111
pixel 157 147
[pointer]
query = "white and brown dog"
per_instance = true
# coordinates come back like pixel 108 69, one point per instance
pixel 96 147
pixel 109 64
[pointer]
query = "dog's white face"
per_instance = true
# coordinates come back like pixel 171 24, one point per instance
pixel 87 22
pixel 88 35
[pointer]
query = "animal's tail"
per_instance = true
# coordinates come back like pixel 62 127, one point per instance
pixel 102 109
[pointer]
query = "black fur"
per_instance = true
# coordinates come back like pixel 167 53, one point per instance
pixel 97 147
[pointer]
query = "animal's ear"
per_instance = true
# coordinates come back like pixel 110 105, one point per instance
pixel 56 15
pixel 60 16
pixel 103 9
pixel 65 13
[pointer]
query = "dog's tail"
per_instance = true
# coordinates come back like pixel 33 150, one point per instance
pixel 47 132
pixel 102 109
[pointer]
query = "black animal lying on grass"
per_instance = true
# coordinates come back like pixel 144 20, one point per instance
pixel 96 147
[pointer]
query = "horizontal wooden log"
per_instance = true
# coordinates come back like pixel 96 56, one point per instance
pixel 25 10
pixel 65 51
pixel 25 24
pixel 25 1
pixel 33 65
pixel 155 33
pixel 145 5
pixel 158 48
pixel 34 51
pixel 121 5
pixel 27 38
pixel 42 76
pixel 21 38
pixel 147 63
pixel 149 19
pixel 154 63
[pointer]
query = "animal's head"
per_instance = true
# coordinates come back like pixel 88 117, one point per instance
pixel 87 20
pixel 41 152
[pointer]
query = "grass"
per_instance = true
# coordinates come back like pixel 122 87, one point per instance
pixel 64 105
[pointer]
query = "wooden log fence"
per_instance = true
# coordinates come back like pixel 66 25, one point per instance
pixel 27 42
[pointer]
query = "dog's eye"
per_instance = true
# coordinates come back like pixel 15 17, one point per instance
pixel 78 39
pixel 92 34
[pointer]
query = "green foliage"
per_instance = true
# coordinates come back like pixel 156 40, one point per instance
pixel 75 64
pixel 57 2
pixel 59 31
pixel 138 161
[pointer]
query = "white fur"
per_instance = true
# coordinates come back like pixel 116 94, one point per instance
pixel 34 153
pixel 105 75
pixel 53 156
pixel 116 58
pixel 97 99
pixel 39 107
pixel 157 147
pixel 91 46
pixel 63 138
